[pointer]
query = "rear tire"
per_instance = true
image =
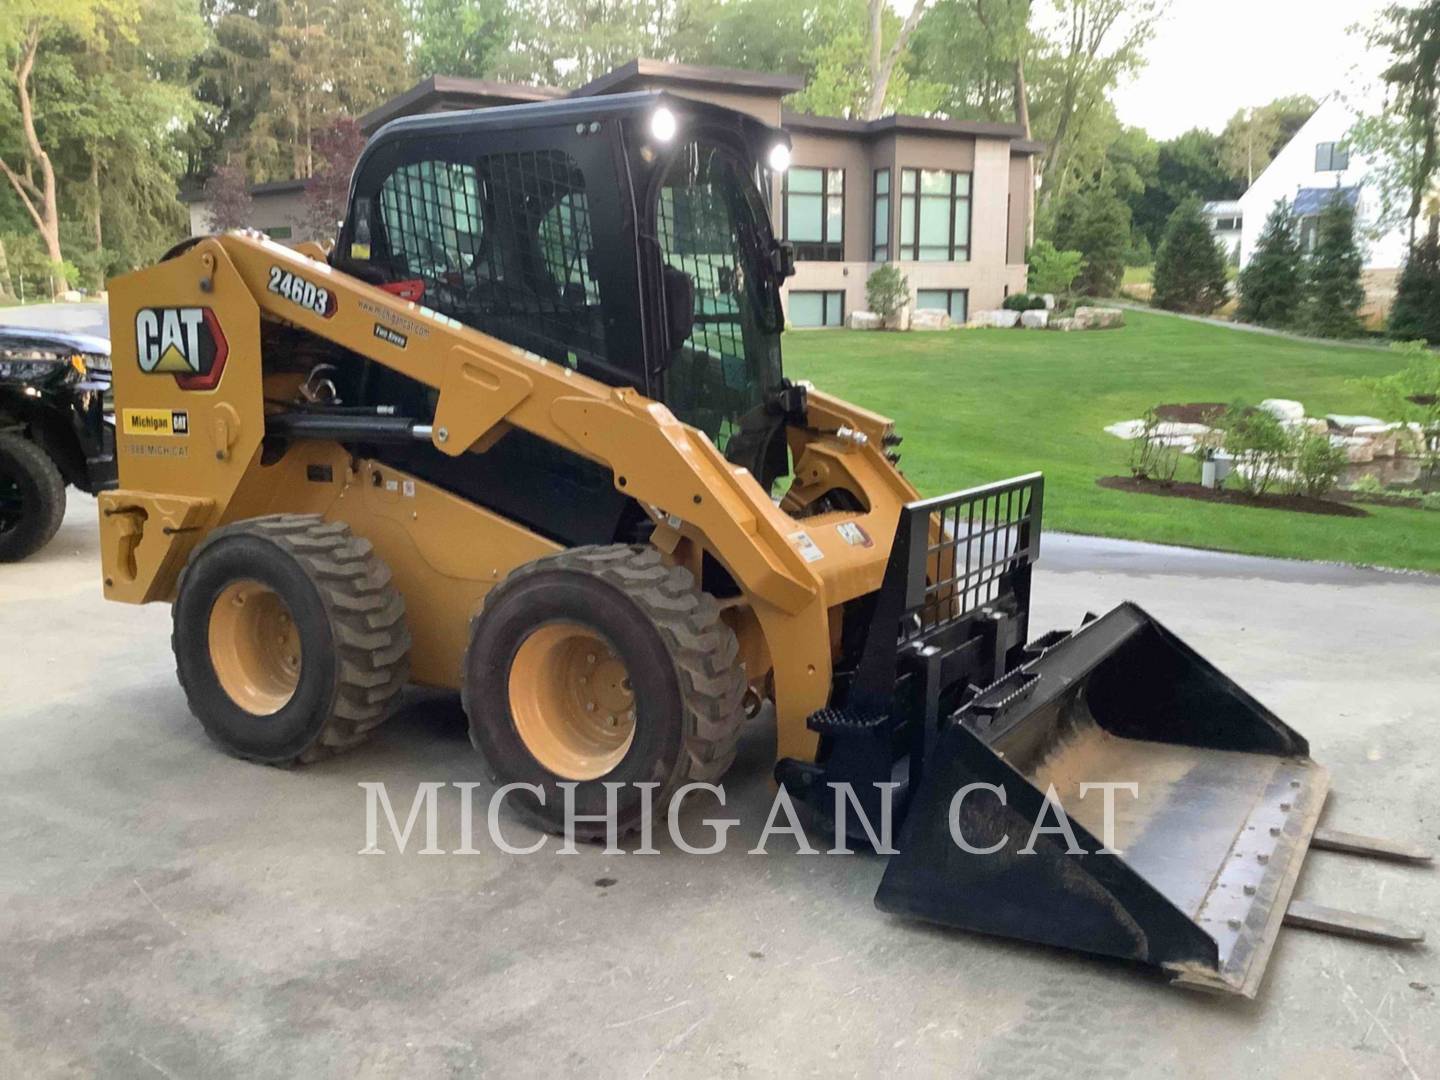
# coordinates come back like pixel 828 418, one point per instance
pixel 290 640
pixel 32 498
pixel 618 605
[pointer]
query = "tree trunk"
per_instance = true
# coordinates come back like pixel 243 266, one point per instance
pixel 882 69
pixel 7 287
pixel 1022 94
pixel 46 215
pixel 95 195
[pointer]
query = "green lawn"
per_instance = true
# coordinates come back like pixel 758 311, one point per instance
pixel 980 405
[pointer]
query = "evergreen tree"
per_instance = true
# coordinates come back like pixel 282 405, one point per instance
pixel 1416 312
pixel 1190 265
pixel 1270 285
pixel 1333 293
pixel 1095 223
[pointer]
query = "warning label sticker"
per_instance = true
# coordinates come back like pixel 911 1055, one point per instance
pixel 809 550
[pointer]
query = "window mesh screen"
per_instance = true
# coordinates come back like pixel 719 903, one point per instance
pixel 503 245
pixel 709 381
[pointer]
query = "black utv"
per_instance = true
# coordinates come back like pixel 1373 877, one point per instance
pixel 56 428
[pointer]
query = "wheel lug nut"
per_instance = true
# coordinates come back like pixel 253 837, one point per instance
pixel 590 658
pixel 590 706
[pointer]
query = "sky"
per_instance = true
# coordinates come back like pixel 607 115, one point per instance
pixel 1211 57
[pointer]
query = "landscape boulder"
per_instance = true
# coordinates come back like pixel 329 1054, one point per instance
pixel 864 320
pixel 930 319
pixel 1001 318
pixel 1035 320
pixel 1284 410
pixel 1064 324
pixel 1099 318
pixel 1347 424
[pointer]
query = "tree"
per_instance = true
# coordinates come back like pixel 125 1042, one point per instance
pixel 883 56
pixel 1333 292
pixel 1416 311
pixel 1094 44
pixel 282 70
pixel 227 194
pixel 1187 166
pixel 1253 137
pixel 337 149
pixel 1190 265
pixel 1096 224
pixel 1270 285
pixel 1405 136
pixel 33 26
pixel 461 37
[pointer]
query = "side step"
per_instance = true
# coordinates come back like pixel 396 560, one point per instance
pixel 1372 846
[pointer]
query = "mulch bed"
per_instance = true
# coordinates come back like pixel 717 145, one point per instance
pixel 1302 504
pixel 1195 412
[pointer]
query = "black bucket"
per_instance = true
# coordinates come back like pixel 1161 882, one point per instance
pixel 1204 854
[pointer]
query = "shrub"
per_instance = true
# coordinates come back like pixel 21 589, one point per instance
pixel 1416 311
pixel 1190 267
pixel 1018 301
pixel 1270 285
pixel 1413 394
pixel 1150 457
pixel 1333 293
pixel 1260 445
pixel 887 290
pixel 1315 464
pixel 1037 303
pixel 1052 270
pixel 1368 484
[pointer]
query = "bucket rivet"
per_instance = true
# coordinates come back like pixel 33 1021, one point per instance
pixel 1263 858
pixel 1294 783
pixel 1274 830
pixel 1234 924
pixel 1285 806
pixel 1249 890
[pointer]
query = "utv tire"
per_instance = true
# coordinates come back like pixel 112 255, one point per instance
pixel 632 631
pixel 290 640
pixel 32 498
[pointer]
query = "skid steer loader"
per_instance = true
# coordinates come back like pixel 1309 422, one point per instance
pixel 524 432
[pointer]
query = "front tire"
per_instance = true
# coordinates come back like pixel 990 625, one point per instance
pixel 290 640
pixel 32 498
pixel 596 665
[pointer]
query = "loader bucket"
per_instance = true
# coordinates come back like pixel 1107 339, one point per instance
pixel 1203 852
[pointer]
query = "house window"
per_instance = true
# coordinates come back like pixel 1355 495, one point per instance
pixel 881 251
pixel 1309 229
pixel 815 212
pixel 934 215
pixel 954 301
pixel 818 308
pixel 279 232
pixel 1227 224
pixel 1331 157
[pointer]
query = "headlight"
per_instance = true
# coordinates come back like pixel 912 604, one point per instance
pixel 779 158
pixel 24 366
pixel 663 124
pixel 96 362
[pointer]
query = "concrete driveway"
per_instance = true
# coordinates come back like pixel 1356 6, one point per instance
pixel 168 911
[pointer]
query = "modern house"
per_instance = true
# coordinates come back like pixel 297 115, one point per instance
pixel 1225 217
pixel 1313 167
pixel 949 202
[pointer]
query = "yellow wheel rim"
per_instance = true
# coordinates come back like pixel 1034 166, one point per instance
pixel 571 700
pixel 254 647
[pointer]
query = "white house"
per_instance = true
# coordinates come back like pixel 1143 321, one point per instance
pixel 1311 168
pixel 1224 217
